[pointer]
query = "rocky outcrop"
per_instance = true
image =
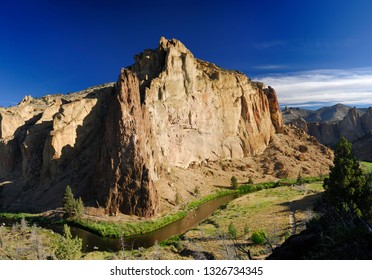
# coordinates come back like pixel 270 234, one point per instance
pixel 54 147
pixel 276 116
pixel 122 178
pixel 199 111
pixel 330 114
pixel 329 124
pixel 355 127
pixel 112 143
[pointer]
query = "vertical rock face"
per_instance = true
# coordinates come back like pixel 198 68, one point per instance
pixel 111 143
pixel 123 166
pixel 276 115
pixel 199 111
pixel 366 120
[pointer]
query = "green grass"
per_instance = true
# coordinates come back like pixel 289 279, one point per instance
pixel 18 216
pixel 366 166
pixel 249 188
pixel 267 209
pixel 196 203
pixel 111 229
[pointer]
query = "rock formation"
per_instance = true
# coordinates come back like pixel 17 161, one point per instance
pixel 356 126
pixel 113 143
pixel 325 114
pixel 122 177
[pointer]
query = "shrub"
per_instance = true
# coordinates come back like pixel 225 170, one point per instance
pixel 178 199
pixel 68 248
pixel 196 191
pixel 300 180
pixel 231 230
pixel 234 182
pixel 250 180
pixel 247 188
pixel 258 237
pixel 246 229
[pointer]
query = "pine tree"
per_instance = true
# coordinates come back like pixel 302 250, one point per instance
pixel 231 230
pixel 300 180
pixel 345 186
pixel 79 208
pixel 234 182
pixel 69 203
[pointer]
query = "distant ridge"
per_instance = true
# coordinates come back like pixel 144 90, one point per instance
pixel 325 114
pixel 329 124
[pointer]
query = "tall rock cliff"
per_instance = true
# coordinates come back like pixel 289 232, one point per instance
pixel 122 177
pixel 199 111
pixel 113 142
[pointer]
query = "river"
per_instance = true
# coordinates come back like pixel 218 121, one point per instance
pixel 93 242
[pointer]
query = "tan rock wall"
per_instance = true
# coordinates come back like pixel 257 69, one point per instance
pixel 199 111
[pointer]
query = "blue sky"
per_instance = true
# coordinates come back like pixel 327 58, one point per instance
pixel 65 46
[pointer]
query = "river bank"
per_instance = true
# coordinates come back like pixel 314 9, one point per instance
pixel 132 229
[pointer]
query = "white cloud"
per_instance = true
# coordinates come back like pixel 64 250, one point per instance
pixel 269 67
pixel 352 87
pixel 270 44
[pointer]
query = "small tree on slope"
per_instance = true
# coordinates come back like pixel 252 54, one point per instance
pixel 74 208
pixel 69 202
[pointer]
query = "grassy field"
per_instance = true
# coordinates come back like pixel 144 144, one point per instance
pixel 279 212
pixel 25 242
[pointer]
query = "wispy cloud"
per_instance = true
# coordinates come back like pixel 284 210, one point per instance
pixel 269 67
pixel 352 87
pixel 270 44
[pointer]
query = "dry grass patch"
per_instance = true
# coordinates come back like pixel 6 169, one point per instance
pixel 278 212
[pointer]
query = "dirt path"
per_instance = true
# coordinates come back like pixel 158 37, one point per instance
pixel 292 219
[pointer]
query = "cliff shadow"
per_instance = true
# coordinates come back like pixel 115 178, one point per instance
pixel 11 154
pixel 39 180
pixel 75 165
pixel 21 161
pixel 304 204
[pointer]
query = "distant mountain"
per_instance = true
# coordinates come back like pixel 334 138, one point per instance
pixel 325 114
pixel 329 124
